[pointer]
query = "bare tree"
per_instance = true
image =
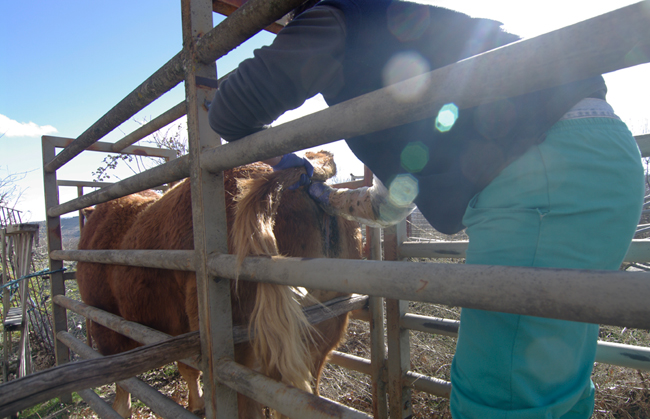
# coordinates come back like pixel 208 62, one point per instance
pixel 10 191
pixel 173 138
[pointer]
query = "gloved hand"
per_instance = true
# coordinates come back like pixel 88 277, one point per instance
pixel 320 192
pixel 291 160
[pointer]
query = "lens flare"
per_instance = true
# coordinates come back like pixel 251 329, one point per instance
pixel 446 117
pixel 414 157
pixel 403 66
pixel 403 190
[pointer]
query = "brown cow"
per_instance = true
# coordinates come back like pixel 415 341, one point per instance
pixel 259 223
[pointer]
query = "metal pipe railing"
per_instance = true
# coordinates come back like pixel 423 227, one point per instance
pixel 604 297
pixel 179 260
pixel 229 34
pixel 61 142
pixel 639 250
pixel 99 406
pixel 165 173
pixel 152 126
pixel 644 144
pixel 286 399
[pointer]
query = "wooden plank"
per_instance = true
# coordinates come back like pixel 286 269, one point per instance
pixel 14 320
pixel 22 228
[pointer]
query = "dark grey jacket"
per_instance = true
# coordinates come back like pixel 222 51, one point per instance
pixel 345 48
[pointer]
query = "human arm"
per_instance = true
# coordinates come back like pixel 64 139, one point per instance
pixel 371 206
pixel 303 60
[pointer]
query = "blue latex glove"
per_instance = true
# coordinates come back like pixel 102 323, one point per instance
pixel 291 160
pixel 320 192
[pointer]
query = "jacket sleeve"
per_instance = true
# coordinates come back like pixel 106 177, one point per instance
pixel 303 60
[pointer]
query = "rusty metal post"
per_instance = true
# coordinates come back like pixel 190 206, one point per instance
pixel 57 283
pixel 209 217
pixel 399 362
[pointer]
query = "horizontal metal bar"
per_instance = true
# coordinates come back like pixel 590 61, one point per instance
pixel 158 403
pixel 152 126
pixel 180 260
pixel 351 362
pixel 455 249
pixel 229 34
pixel 165 153
pixel 85 184
pixel 644 144
pixel 637 357
pixel 428 324
pixel 414 380
pixel 227 7
pixel 286 399
pixel 599 45
pixel 136 331
pixel 629 356
pixel 431 385
pixel 165 173
pixel 242 24
pixel 99 406
pixel 639 250
pixel 603 297
pixel 315 314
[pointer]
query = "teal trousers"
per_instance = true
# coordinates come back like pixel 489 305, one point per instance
pixel 571 202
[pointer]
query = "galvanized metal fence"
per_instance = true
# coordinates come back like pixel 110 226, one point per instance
pixel 607 43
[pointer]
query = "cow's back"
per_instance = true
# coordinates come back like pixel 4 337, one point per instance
pixel 105 228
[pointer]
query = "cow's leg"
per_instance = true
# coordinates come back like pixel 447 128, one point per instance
pixel 195 402
pixel 122 403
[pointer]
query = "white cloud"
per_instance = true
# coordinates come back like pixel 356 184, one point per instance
pixel 11 128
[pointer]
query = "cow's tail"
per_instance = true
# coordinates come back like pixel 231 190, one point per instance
pixel 279 330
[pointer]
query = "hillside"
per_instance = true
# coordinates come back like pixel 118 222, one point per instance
pixel 69 232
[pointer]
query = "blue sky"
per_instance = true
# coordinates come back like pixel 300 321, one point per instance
pixel 64 64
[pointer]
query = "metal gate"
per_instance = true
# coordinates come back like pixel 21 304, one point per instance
pixel 607 43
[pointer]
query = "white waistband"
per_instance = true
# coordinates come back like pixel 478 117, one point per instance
pixel 590 108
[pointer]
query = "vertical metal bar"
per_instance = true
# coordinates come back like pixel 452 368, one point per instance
pixel 57 283
pixel 398 338
pixel 80 192
pixel 209 218
pixel 6 343
pixel 376 309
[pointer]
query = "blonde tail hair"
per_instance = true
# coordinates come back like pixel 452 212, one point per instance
pixel 279 330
